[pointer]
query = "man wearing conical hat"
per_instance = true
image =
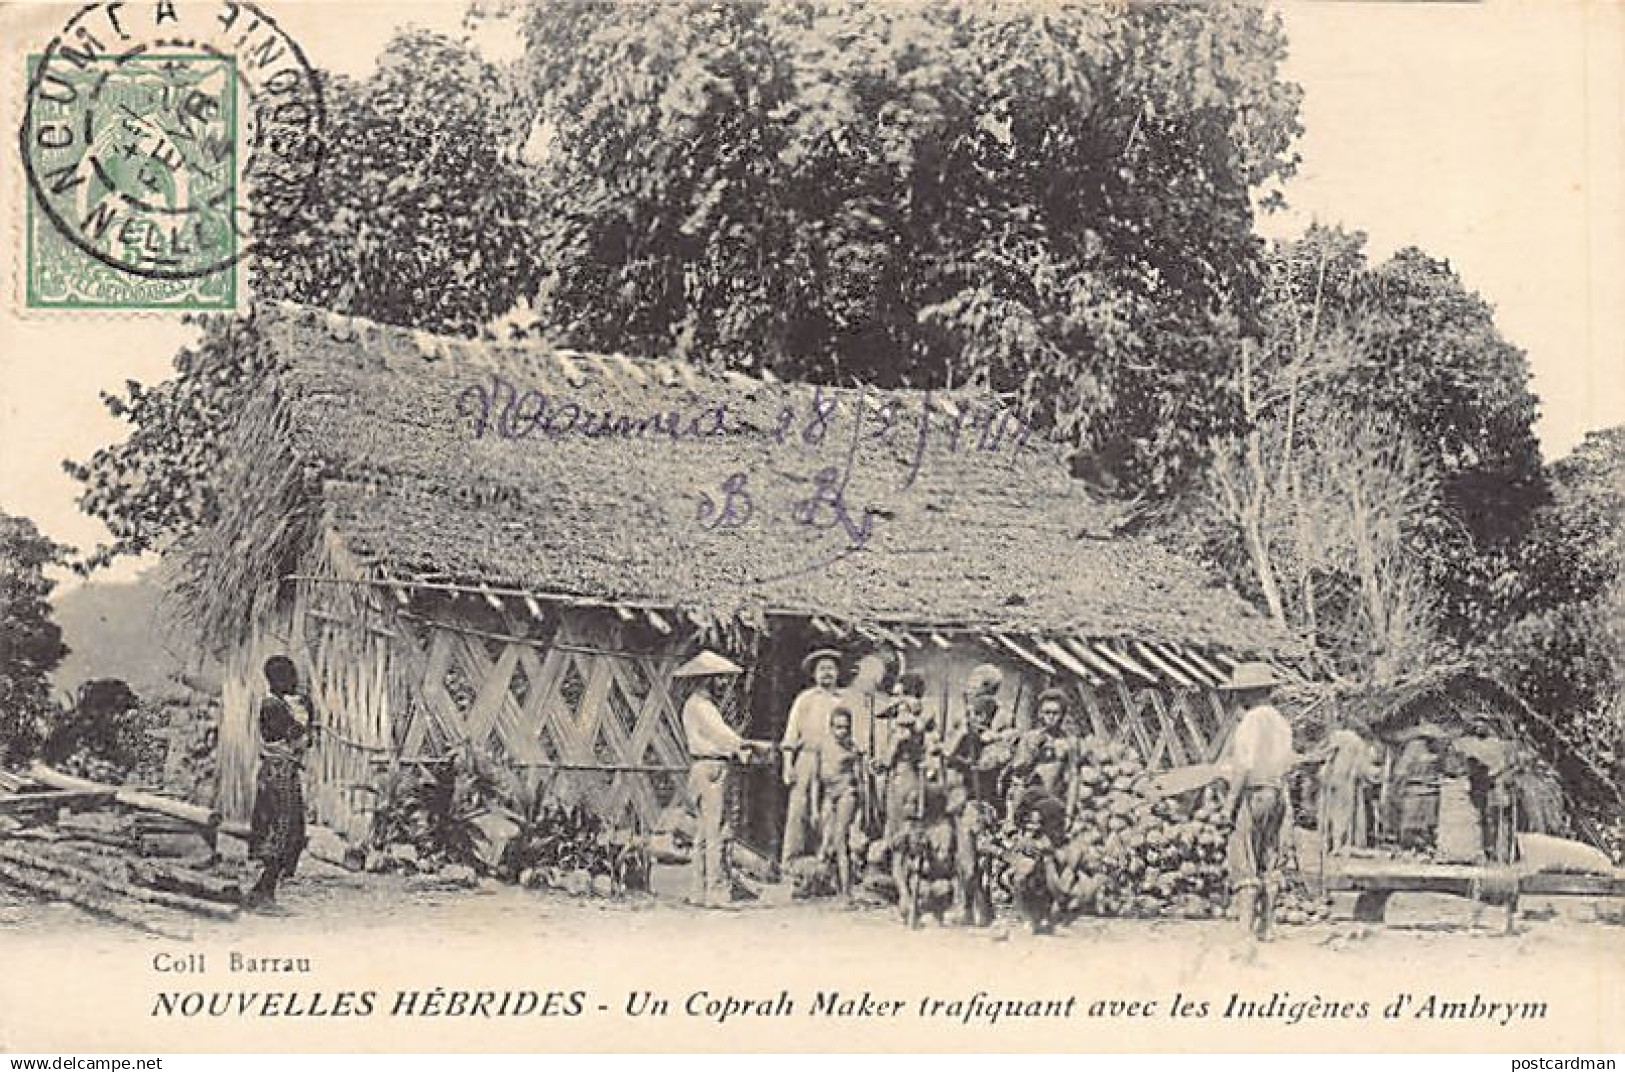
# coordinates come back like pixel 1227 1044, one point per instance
pixel 1258 759
pixel 713 746
pixel 804 733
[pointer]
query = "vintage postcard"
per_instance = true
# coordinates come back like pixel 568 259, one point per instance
pixel 545 526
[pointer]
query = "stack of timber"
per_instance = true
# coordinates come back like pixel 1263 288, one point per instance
pixel 117 853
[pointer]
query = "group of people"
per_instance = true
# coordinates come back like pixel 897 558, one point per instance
pixel 850 760
pixel 933 794
pixel 1402 790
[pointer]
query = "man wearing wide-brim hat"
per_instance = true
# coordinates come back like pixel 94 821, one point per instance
pixel 1258 759
pixel 804 733
pixel 713 746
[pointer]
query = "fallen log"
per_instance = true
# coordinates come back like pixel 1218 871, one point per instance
pixel 178 879
pixel 56 798
pixel 153 874
pixel 130 798
pixel 236 828
pixel 90 899
pixel 87 837
pixel 116 887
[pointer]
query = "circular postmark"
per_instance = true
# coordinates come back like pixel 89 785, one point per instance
pixel 159 137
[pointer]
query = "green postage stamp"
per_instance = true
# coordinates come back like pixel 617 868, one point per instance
pixel 155 142
pixel 135 185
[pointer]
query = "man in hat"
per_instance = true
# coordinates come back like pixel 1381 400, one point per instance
pixel 713 745
pixel 1259 758
pixel 983 683
pixel 804 732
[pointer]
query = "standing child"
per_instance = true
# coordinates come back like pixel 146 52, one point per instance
pixel 840 765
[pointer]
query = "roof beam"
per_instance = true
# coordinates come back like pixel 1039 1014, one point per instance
pixel 1146 652
pixel 1023 654
pixel 1219 676
pixel 657 621
pixel 1170 652
pixel 939 640
pixel 1105 669
pixel 1066 659
pixel 1106 651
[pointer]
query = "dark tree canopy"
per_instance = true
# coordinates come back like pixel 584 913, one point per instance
pixel 1053 201
pixel 421 218
pixel 30 643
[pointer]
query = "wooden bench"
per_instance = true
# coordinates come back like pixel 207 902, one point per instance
pixel 1375 881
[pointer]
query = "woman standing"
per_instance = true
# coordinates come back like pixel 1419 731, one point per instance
pixel 277 832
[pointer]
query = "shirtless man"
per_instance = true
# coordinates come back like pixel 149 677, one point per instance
pixel 840 765
pixel 1042 752
pixel 974 763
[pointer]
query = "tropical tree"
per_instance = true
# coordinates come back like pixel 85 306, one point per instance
pixel 1386 462
pixel 1565 653
pixel 1051 200
pixel 423 216
pixel 30 643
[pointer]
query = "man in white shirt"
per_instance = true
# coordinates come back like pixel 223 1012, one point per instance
pixel 804 733
pixel 712 745
pixel 1259 758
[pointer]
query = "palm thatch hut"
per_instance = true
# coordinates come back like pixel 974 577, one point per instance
pixel 1427 715
pixel 511 547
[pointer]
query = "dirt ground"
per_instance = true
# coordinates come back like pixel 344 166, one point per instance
pixel 379 933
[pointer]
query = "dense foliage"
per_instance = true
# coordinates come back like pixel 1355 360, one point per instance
pixel 1388 467
pixel 1565 653
pixel 422 216
pixel 30 643
pixel 1050 200
pixel 109 735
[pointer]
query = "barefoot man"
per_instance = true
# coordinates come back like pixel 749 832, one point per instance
pixel 1260 756
pixel 840 765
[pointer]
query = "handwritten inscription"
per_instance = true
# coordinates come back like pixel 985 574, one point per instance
pixel 501 409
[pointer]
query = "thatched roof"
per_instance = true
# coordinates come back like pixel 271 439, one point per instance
pixel 1464 702
pixel 1457 700
pixel 382 423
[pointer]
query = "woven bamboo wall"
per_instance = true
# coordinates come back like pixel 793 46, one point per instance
pixel 585 712
pixel 1168 727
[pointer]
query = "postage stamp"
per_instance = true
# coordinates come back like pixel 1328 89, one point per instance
pixel 154 139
